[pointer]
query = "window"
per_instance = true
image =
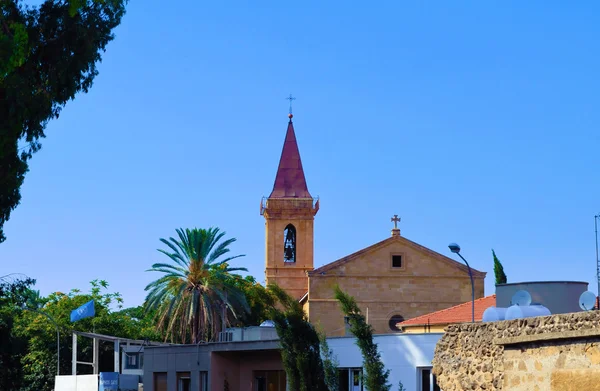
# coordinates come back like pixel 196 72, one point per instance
pixel 160 381
pixel 289 244
pixel 396 261
pixel 183 381
pixel 350 379
pixel 427 381
pixel 394 320
pixel 269 381
pixel 203 381
pixel 134 360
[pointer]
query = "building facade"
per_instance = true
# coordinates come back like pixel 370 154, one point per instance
pixel 392 280
pixel 255 365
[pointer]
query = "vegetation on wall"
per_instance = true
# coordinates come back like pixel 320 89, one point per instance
pixel 375 374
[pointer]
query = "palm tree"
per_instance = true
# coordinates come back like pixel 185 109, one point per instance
pixel 197 293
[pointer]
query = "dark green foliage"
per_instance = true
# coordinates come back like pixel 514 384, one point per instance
pixel 498 270
pixel 260 301
pixel 330 365
pixel 376 376
pixel 48 54
pixel 13 295
pixel 197 291
pixel 300 344
pixel 28 338
pixel 401 386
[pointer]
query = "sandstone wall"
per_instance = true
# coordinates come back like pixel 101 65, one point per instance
pixel 556 353
pixel 426 282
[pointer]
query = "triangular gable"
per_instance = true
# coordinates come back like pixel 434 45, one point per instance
pixel 383 243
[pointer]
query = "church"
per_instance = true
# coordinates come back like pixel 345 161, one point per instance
pixel 393 280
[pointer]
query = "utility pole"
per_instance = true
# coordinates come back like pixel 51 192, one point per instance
pixel 597 259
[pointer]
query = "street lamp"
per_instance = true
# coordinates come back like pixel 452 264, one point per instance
pixel 597 259
pixel 57 336
pixel 455 248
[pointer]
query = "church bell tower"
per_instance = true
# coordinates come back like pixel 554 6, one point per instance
pixel 289 214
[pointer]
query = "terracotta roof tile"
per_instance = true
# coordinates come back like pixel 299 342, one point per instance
pixel 458 314
pixel 290 181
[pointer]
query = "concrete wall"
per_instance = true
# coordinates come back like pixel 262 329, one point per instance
pixel 238 368
pixel 236 362
pixel 426 282
pixel 173 359
pixel 402 354
pixel 555 353
pixel 560 297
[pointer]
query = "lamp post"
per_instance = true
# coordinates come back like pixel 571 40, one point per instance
pixel 597 259
pixel 455 248
pixel 57 336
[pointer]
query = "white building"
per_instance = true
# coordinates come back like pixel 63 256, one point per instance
pixel 407 357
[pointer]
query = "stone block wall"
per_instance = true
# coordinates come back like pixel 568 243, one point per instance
pixel 556 353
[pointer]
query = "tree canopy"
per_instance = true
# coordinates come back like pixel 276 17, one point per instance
pixel 48 54
pixel 28 340
pixel 197 291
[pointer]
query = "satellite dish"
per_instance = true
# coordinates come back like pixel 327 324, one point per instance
pixel 587 300
pixel 521 298
pixel 267 323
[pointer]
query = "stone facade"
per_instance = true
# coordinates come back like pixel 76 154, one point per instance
pixel 556 353
pixel 278 214
pixel 426 282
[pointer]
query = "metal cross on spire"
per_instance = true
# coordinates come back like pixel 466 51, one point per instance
pixel 290 98
pixel 396 220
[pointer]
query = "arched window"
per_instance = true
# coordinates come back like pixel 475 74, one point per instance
pixel 289 244
pixel 394 320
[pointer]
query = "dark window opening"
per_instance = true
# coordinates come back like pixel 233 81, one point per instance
pixel 134 360
pixel 289 244
pixel 428 381
pixel 350 379
pixel 396 260
pixel 203 381
pixel 183 381
pixel 394 320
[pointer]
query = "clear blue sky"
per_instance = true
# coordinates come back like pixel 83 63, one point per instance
pixel 476 122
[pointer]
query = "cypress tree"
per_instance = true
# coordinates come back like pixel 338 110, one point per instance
pixel 376 376
pixel 498 270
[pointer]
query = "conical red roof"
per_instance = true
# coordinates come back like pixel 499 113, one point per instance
pixel 290 181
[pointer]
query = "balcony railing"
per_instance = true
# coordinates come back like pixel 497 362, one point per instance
pixel 289 203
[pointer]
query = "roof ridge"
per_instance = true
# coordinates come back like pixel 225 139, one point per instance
pixel 445 310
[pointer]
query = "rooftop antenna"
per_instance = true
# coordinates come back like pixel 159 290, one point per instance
pixel 597 259
pixel 521 298
pixel 587 300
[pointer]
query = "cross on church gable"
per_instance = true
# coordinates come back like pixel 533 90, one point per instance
pixel 396 220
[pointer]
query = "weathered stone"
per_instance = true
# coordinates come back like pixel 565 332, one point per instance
pixel 546 353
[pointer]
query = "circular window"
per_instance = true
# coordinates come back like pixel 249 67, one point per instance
pixel 394 320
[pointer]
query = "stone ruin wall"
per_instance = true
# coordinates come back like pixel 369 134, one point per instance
pixel 551 353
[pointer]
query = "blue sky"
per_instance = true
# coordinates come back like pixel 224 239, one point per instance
pixel 476 122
